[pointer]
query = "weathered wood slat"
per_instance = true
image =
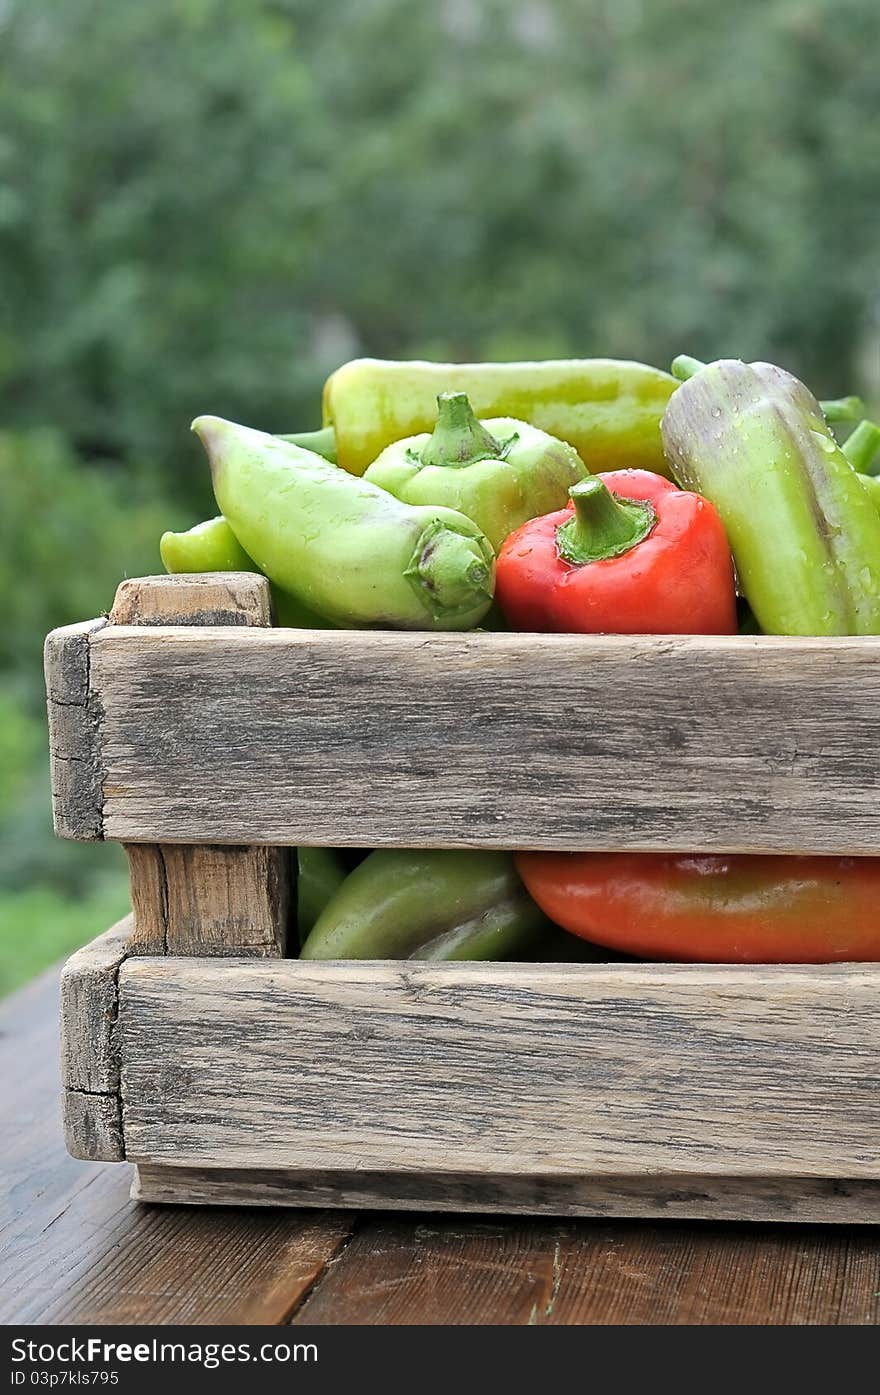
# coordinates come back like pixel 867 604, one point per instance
pixel 792 1199
pixel 204 899
pixel 553 741
pixel 520 1070
pixel 89 1048
pixel 74 742
pixel 74 1250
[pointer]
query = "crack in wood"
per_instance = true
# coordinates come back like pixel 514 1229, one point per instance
pixel 302 1300
pixel 90 1048
pixel 75 719
pixel 162 867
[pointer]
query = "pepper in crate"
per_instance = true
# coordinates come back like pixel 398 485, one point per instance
pixel 630 555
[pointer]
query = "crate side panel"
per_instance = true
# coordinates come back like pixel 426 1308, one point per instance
pixel 554 741
pixel 553 1070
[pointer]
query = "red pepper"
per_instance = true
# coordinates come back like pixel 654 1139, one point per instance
pixel 714 908
pixel 631 554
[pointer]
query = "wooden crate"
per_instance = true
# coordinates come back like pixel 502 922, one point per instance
pixel 208 743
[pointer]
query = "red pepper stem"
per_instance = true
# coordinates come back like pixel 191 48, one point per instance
pixel 861 446
pixel 604 525
pixel 458 438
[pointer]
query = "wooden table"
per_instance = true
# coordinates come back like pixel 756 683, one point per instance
pixel 74 1249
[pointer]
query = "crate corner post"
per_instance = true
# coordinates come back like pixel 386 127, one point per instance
pixel 204 899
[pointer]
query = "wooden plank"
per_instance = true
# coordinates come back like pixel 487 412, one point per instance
pixel 89 1054
pixel 205 900
pixel 788 1199
pixel 74 746
pixel 194 598
pixel 209 900
pixel 451 1271
pixel 75 1249
pixel 553 741
pixel 518 1069
pixel 178 1267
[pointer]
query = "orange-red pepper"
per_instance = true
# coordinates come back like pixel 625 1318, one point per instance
pixel 631 554
pixel 716 908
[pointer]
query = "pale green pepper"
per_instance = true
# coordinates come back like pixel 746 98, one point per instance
pixel 213 547
pixel 343 547
pixel 500 473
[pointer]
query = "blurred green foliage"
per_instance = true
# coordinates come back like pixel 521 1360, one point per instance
pixel 68 533
pixel 206 205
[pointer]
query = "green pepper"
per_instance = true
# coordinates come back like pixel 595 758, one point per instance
pixel 207 547
pixel 499 472
pixel 608 409
pixel 322 442
pixel 320 873
pixel 862 450
pixel 871 485
pixel 213 547
pixel 430 904
pixel 804 534
pixel 341 546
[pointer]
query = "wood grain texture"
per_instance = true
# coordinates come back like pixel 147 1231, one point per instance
pixel 453 1271
pixel 497 740
pixel 788 1199
pixel 204 899
pixel 165 1266
pixel 75 1249
pixel 209 900
pixel 194 598
pixel 89 1051
pixel 74 743
pixel 514 1069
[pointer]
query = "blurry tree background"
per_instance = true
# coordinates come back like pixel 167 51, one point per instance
pixel 207 205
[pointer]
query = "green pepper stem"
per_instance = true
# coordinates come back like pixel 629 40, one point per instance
pixel 685 367
pixel 843 409
pixel 604 525
pixel 458 438
pixel 861 446
pixel 322 442
pixel 452 571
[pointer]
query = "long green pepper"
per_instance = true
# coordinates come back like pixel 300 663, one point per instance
pixel 608 409
pixel 341 546
pixel 430 904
